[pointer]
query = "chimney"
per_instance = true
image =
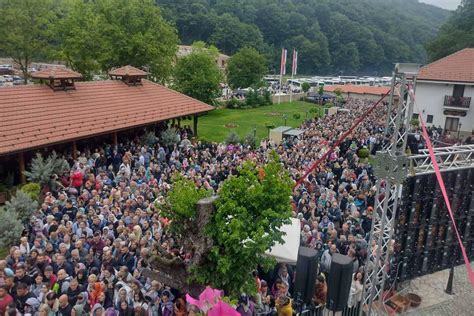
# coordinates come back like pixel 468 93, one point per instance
pixel 130 75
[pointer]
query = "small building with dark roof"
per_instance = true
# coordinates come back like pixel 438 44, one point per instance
pixel 63 111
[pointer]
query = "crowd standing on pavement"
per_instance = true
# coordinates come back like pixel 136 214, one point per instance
pixel 85 248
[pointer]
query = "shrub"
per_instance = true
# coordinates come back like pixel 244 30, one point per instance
pixel 328 105
pixel 305 87
pixel 251 99
pixel 269 125
pixel 363 152
pixel 32 189
pixel 11 228
pixel 415 122
pixel 169 137
pixel 232 138
pixel 233 103
pixel 250 140
pixel 149 138
pixel 22 205
pixel 296 116
pixel 268 97
pixel 42 169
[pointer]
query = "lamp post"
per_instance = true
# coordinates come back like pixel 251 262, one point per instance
pixel 255 132
pixel 284 117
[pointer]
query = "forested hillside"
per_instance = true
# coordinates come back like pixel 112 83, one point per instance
pixel 332 36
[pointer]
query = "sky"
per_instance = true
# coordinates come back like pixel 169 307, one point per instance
pixel 445 4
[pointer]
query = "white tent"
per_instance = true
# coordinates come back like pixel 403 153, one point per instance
pixel 288 251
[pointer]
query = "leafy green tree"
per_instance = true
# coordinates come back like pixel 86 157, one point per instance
pixel 22 205
pixel 181 203
pixel 11 228
pixel 25 31
pixel 250 210
pixel 246 68
pixel 42 170
pixel 457 33
pixel 231 34
pixel 197 74
pixel 102 34
pixel 305 86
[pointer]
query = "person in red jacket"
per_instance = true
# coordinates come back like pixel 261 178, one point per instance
pixel 5 299
pixel 77 179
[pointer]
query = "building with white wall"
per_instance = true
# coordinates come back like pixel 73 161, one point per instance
pixel 444 92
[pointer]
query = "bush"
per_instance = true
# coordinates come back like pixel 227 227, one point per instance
pixel 363 152
pixel 234 104
pixel 415 122
pixel 149 138
pixel 268 97
pixel 169 137
pixel 232 138
pixel 11 228
pixel 305 87
pixel 296 116
pixel 42 169
pixel 251 99
pixel 250 140
pixel 22 205
pixel 328 105
pixel 32 189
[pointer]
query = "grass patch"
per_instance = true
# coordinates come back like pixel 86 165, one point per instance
pixel 212 126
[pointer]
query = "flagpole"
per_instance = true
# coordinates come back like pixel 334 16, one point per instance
pixel 292 73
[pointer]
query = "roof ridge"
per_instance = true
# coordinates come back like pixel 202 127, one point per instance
pixel 446 57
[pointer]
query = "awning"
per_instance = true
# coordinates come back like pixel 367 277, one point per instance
pixel 287 252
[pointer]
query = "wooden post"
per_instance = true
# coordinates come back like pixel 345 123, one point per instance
pixel 195 123
pixel 74 150
pixel 179 122
pixel 115 139
pixel 21 164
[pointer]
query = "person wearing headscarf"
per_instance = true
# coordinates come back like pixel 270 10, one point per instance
pixel 166 305
pixel 245 307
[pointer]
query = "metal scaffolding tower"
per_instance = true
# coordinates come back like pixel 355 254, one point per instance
pixel 391 170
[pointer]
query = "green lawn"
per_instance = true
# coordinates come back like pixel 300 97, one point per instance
pixel 212 126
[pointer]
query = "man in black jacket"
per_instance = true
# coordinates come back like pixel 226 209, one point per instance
pixel 22 295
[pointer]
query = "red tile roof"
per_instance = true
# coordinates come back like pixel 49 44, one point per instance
pixel 127 71
pixel 457 67
pixel 36 115
pixel 357 89
pixel 56 73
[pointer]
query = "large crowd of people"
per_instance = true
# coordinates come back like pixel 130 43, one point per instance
pixel 86 246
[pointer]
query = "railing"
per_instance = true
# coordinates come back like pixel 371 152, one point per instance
pixel 458 102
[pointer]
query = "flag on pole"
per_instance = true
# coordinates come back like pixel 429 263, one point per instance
pixel 284 53
pixel 294 67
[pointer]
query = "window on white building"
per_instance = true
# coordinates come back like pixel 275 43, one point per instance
pixel 451 124
pixel 429 119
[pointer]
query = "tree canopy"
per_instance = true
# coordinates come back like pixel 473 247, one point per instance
pixel 246 68
pixel 197 74
pixel 102 34
pixel 250 210
pixel 333 37
pixel 457 33
pixel 25 30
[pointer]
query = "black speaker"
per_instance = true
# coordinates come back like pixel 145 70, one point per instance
pixel 339 282
pixel 305 279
